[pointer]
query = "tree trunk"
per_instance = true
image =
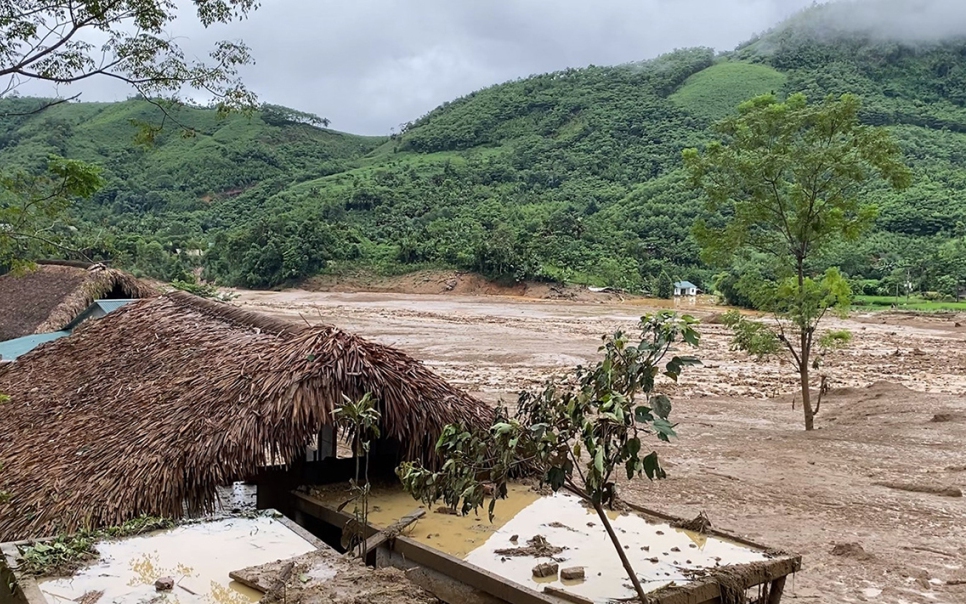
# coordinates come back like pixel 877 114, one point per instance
pixel 620 551
pixel 805 353
pixel 807 399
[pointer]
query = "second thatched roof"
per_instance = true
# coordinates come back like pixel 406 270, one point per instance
pixel 49 297
pixel 149 409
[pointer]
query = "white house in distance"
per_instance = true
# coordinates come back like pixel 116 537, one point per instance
pixel 685 288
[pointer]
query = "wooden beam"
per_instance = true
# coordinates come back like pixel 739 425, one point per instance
pixel 469 574
pixel 389 532
pixel 566 595
pixel 707 589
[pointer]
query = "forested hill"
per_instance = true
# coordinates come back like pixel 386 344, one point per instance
pixel 573 175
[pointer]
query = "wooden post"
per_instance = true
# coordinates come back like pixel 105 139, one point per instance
pixel 775 593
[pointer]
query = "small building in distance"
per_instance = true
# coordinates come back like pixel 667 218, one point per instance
pixel 685 288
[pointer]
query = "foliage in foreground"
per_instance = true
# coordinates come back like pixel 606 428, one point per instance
pixel 64 554
pixel 574 434
pixel 360 420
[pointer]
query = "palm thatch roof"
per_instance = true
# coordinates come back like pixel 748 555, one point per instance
pixel 50 297
pixel 149 409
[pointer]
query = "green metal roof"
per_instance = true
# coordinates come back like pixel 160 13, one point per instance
pixel 11 349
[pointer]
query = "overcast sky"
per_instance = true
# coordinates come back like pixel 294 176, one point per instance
pixel 371 65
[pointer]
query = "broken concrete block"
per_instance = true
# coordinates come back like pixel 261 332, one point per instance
pixel 164 584
pixel 573 573
pixel 548 569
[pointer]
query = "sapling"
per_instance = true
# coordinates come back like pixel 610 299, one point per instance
pixel 574 433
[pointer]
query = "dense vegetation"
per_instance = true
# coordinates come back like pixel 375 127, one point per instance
pixel 574 175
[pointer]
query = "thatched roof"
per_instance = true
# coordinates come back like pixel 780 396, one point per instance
pixel 50 297
pixel 150 408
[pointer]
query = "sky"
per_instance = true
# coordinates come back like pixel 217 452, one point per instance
pixel 371 65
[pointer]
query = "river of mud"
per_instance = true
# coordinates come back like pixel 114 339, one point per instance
pixel 496 346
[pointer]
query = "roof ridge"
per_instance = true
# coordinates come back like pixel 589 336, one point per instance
pixel 233 315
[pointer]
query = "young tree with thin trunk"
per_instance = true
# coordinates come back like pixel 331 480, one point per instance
pixel 574 434
pixel 787 179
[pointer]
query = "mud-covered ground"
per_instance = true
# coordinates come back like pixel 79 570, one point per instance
pixel 741 455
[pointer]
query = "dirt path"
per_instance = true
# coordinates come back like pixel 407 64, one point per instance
pixel 741 455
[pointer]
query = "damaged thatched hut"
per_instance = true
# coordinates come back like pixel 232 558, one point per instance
pixel 149 409
pixel 50 297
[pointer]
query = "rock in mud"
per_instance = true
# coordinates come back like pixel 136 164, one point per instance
pixel 851 550
pixel 573 573
pixel 941 418
pixel 164 584
pixel 548 569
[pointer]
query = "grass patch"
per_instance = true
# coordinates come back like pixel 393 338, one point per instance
pixel 912 303
pixel 716 91
pixel 64 554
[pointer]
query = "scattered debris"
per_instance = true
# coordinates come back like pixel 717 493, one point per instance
pixel 90 597
pixel 547 569
pixel 561 525
pixel 447 511
pixel 514 538
pixel 537 547
pixel 700 524
pixel 164 584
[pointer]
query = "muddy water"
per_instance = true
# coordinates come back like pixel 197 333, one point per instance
pixel 659 553
pixel 455 535
pixel 197 556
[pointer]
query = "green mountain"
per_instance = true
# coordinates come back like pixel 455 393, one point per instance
pixel 573 175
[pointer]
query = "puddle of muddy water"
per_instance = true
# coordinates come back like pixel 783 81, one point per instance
pixel 658 552
pixel 455 535
pixel 197 556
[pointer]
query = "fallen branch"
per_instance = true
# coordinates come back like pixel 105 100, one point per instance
pixel 915 488
pixel 277 591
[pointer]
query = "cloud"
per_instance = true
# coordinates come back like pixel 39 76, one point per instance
pixel 902 20
pixel 371 65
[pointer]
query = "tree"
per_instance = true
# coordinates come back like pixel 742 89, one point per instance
pixel 574 434
pixel 50 41
pixel 787 181
pixel 31 208
pixel 664 286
